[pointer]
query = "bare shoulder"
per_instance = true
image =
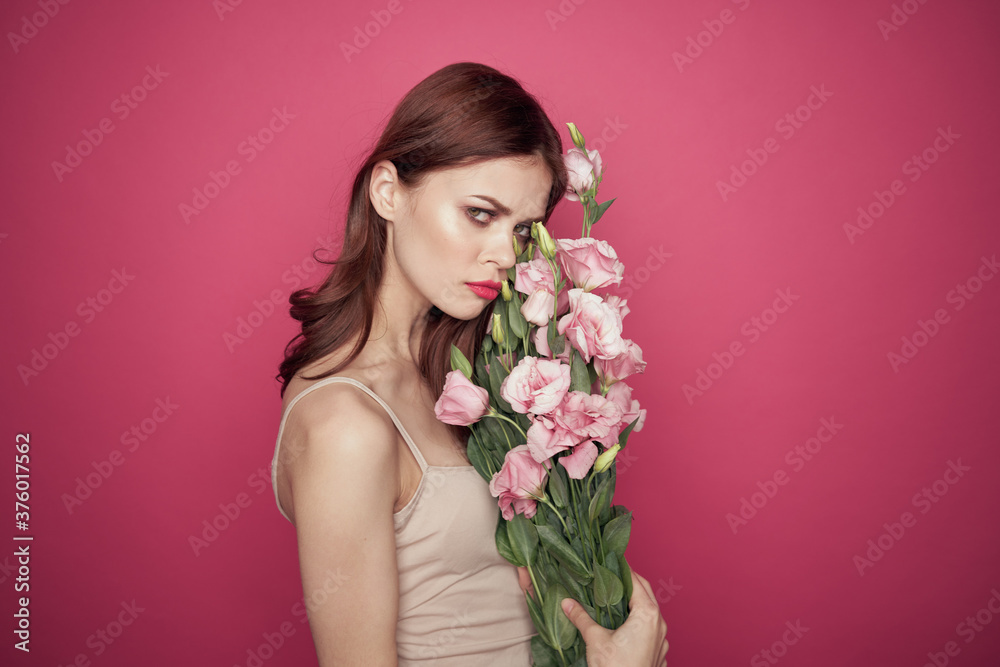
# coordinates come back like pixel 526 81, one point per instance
pixel 337 426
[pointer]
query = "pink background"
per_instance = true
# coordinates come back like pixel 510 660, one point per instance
pixel 700 264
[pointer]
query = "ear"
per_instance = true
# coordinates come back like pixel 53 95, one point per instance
pixel 385 190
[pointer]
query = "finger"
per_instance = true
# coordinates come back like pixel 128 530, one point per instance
pixel 579 617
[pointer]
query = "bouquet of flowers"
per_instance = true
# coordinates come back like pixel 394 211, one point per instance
pixel 548 413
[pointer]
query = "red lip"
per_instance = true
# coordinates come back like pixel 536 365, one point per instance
pixel 492 284
pixel 486 289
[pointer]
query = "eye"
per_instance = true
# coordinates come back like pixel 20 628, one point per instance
pixel 475 214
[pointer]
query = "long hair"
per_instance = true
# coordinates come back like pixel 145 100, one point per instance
pixel 461 114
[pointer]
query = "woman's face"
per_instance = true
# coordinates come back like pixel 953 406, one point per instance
pixel 458 227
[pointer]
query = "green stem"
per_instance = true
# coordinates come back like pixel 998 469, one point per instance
pixel 563 521
pixel 496 415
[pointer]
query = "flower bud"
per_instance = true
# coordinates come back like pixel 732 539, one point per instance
pixel 577 136
pixel 603 461
pixel 505 291
pixel 497 331
pixel 545 242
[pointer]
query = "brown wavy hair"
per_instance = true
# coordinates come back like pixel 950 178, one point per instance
pixel 462 114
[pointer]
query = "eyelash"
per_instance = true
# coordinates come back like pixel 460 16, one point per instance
pixel 492 214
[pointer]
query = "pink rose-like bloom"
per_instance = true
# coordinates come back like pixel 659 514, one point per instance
pixel 520 478
pixel 590 263
pixel 582 168
pixel 592 326
pixel 618 302
pixel 534 275
pixel 539 307
pixel 461 402
pixel 589 416
pixel 580 461
pixel 546 438
pixel 629 362
pixel 536 385
pixel 621 394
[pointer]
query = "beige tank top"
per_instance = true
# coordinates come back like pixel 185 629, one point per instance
pixel 460 604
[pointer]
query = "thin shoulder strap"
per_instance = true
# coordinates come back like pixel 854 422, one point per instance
pixel 325 381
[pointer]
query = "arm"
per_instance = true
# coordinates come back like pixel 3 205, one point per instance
pixel 344 484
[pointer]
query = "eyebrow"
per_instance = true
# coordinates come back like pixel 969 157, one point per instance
pixel 503 210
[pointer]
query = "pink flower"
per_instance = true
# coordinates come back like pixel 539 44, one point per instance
pixel 588 416
pixel 621 394
pixel 583 169
pixel 629 362
pixel 520 478
pixel 618 302
pixel 461 402
pixel 579 463
pixel 539 307
pixel 536 385
pixel 592 326
pixel 534 275
pixel 590 263
pixel 546 438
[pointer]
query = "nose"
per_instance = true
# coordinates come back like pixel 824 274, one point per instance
pixel 502 250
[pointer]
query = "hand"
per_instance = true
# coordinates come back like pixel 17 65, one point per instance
pixel 640 642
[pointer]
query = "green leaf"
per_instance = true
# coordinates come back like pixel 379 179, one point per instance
pixel 518 325
pixel 557 342
pixel 523 538
pixel 497 375
pixel 563 552
pixel 626 576
pixel 578 373
pixel 558 490
pixel 623 436
pixel 478 457
pixel 616 534
pixel 608 588
pixel 487 344
pixel 543 655
pixel 562 629
pixel 538 619
pixel 601 499
pixel 574 585
pixel 503 542
pixel 459 362
pixel 601 208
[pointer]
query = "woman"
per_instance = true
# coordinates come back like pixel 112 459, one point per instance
pixel 381 493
